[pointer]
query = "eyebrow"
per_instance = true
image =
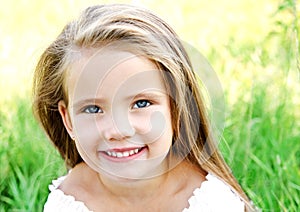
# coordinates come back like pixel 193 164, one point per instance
pixel 148 94
pixel 79 103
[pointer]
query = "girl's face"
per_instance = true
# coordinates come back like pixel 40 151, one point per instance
pixel 118 114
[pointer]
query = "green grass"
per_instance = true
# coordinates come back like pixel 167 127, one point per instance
pixel 28 161
pixel 262 130
pixel 264 151
pixel 261 78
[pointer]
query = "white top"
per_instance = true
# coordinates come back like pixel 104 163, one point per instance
pixel 213 195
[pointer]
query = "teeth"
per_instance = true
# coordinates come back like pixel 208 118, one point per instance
pixel 123 154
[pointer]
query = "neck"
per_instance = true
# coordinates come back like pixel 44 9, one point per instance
pixel 131 190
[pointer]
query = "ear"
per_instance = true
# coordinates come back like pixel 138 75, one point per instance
pixel 63 110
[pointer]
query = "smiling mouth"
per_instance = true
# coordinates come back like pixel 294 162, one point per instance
pixel 123 154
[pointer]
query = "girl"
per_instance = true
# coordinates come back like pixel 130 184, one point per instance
pixel 117 96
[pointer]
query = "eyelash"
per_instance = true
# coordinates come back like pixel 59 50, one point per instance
pixel 87 109
pixel 148 103
pixel 96 109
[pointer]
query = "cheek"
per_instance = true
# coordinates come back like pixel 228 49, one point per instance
pixel 164 141
pixel 86 131
pixel 141 122
pixel 152 124
pixel 156 130
pixel 160 147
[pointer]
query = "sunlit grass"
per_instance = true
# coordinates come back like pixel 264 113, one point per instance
pixel 264 150
pixel 251 47
pixel 28 161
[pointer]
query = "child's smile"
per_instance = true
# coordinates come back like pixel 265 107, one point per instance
pixel 124 154
pixel 119 113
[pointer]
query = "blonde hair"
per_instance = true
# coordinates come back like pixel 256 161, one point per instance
pixel 143 33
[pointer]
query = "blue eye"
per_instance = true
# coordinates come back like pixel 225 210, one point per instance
pixel 141 104
pixel 92 109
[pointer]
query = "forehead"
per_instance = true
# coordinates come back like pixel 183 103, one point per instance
pixel 109 71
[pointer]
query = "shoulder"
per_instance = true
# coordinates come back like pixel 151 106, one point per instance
pixel 59 201
pixel 214 195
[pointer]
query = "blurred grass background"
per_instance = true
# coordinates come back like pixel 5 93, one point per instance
pixel 253 47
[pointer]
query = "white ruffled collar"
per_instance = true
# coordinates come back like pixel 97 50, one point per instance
pixel 212 195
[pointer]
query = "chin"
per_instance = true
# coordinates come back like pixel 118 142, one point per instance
pixel 139 170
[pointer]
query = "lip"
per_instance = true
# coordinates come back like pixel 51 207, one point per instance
pixel 123 159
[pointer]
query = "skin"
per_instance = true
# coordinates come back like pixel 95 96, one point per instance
pixel 117 104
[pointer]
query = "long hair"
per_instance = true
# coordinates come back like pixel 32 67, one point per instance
pixel 141 32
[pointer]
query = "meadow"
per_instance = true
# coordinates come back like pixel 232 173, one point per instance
pixel 253 48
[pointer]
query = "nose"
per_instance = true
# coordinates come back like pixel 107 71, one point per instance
pixel 117 128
